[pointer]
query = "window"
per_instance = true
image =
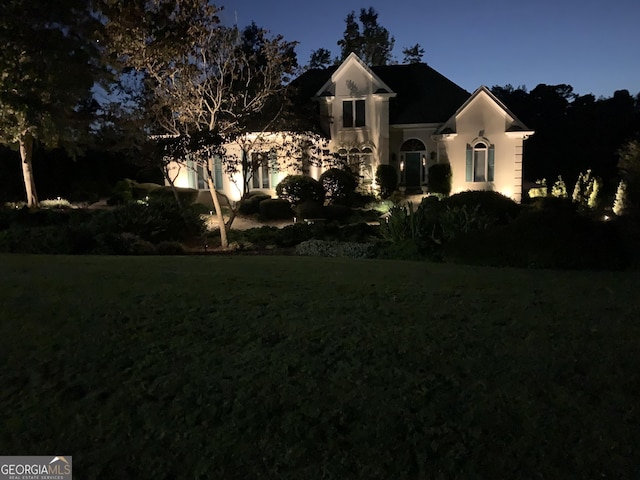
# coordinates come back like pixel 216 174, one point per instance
pixel 359 162
pixel 353 113
pixel 265 170
pixel 480 162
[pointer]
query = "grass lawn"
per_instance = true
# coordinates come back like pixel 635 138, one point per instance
pixel 244 367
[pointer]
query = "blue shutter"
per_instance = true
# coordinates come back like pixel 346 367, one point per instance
pixel 469 175
pixel 491 166
pixel 217 172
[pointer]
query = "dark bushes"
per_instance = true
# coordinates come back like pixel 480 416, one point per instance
pixel 275 209
pixel 387 178
pixel 493 204
pixel 128 190
pixel 309 209
pixel 127 229
pixel 300 188
pixel 558 239
pixel 339 185
pixel 250 204
pixel 439 179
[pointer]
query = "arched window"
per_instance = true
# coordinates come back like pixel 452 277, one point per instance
pixel 413 145
pixel 480 162
pixel 358 160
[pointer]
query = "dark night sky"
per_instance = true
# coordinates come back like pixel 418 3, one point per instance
pixel 593 45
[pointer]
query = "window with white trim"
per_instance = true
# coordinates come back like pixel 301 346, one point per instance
pixel 353 113
pixel 480 164
pixel 265 170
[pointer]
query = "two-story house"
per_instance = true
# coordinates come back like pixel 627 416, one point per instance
pixel 411 117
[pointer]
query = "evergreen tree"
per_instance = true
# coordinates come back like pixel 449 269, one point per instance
pixel 320 58
pixel 413 54
pixel 620 202
pixel 373 44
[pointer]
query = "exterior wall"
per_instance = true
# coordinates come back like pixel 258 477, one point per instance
pixel 354 82
pixel 186 175
pixel 482 119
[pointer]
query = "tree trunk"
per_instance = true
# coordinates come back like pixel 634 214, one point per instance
pixel 224 243
pixel 167 176
pixel 26 153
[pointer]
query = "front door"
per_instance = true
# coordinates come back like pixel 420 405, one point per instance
pixel 413 169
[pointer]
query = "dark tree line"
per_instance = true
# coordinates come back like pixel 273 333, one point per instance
pixel 573 132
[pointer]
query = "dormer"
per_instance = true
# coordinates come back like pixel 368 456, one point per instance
pixel 356 98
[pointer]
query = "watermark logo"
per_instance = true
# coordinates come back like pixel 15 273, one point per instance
pixel 55 467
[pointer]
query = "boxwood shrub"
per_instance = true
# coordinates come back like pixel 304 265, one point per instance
pixel 387 178
pixel 309 209
pixel 250 204
pixel 275 209
pixel 339 185
pixel 300 188
pixel 493 204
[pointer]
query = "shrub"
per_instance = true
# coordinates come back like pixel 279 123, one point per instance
pixel 123 243
pixel 309 209
pixel 275 209
pixel 260 236
pixel 540 190
pixel 338 213
pixel 324 248
pixel 141 191
pixel 50 239
pixel 122 192
pixel 250 204
pixel 439 179
pixel 300 188
pixel 156 221
pixel 292 235
pixel 170 248
pixel 493 204
pixel 558 239
pixel 455 221
pixel 339 185
pixel 59 203
pixel 387 178
pixel 187 195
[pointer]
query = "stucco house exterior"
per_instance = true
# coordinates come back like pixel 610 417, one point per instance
pixel 408 116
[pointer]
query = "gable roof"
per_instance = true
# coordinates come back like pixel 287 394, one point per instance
pixel 422 94
pixel 353 59
pixel 517 125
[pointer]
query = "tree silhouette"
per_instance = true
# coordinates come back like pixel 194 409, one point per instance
pixel 413 54
pixel 373 44
pixel 320 58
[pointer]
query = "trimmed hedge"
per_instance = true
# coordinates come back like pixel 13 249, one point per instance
pixel 493 204
pixel 309 209
pixel 275 209
pixel 250 204
pixel 300 188
pixel 387 178
pixel 339 185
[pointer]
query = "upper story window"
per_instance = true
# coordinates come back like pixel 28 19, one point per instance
pixel 353 113
pixel 480 162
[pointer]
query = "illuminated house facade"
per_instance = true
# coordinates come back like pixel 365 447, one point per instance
pixel 411 117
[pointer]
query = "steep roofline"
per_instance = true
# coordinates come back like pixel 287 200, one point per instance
pixel 352 57
pixel 497 101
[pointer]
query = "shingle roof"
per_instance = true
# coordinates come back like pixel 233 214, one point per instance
pixel 423 94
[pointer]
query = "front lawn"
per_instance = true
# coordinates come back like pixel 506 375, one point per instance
pixel 244 367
